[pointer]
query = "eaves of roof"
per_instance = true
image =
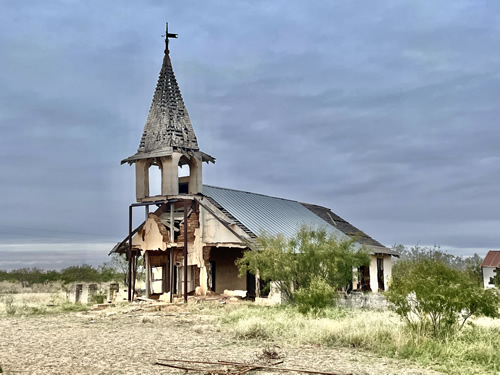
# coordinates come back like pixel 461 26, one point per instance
pixel 492 259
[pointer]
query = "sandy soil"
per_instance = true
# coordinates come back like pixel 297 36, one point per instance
pixel 131 340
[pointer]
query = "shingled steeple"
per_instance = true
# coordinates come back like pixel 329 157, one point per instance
pixel 168 126
pixel 168 135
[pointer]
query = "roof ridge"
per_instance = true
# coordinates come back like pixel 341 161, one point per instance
pixel 249 192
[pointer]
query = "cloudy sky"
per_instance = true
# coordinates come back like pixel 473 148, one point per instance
pixel 385 111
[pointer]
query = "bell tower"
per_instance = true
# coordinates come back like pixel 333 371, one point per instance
pixel 168 140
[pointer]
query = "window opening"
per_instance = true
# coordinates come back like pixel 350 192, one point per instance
pixel 78 292
pixel 211 275
pixel 380 273
pixel 154 180
pixel 157 280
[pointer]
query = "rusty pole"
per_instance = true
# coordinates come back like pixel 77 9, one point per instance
pixel 185 252
pixel 134 272
pixel 172 238
pixel 130 253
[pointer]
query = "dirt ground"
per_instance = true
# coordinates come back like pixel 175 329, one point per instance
pixel 130 340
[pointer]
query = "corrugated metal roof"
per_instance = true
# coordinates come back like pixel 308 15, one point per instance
pixel 273 215
pixel 492 259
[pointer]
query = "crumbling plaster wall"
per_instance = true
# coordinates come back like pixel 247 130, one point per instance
pixel 205 231
pixel 212 234
pixel 152 236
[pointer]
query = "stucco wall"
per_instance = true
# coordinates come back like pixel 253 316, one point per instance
pixel 387 264
pixel 150 237
pixel 214 232
pixel 387 271
pixel 226 272
pixel 373 274
pixel 488 272
pixel 358 300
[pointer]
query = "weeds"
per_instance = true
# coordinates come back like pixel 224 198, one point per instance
pixel 474 350
pixel 10 308
pixel 32 304
pixel 73 307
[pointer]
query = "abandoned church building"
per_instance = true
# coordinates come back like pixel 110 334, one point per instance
pixel 191 239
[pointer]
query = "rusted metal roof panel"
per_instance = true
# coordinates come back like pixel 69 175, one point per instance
pixel 492 259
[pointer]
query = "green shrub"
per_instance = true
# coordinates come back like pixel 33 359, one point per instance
pixel 77 306
pixel 434 298
pixel 293 263
pixel 315 297
pixel 99 297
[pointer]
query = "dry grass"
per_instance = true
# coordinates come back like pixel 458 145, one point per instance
pixel 36 303
pixel 474 350
pixel 130 338
pixel 7 287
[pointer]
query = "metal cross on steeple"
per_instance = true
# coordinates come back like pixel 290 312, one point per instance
pixel 168 35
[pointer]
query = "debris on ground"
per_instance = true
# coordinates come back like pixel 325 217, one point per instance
pixel 271 353
pixel 232 368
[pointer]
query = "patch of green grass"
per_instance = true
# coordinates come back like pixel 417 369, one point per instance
pixel 474 350
pixel 68 307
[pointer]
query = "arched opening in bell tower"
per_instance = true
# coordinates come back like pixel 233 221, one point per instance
pixel 155 176
pixel 184 175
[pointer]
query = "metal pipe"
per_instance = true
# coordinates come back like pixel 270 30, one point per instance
pixel 148 274
pixel 172 239
pixel 135 257
pixel 171 275
pixel 185 252
pixel 130 253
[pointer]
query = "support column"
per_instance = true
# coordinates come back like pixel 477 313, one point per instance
pixel 170 174
pixel 134 272
pixel 373 274
pixel 148 274
pixel 387 271
pixel 195 174
pixel 171 263
pixel 142 179
pixel 129 253
pixel 185 251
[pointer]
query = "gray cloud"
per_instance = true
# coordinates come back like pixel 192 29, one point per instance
pixel 384 111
